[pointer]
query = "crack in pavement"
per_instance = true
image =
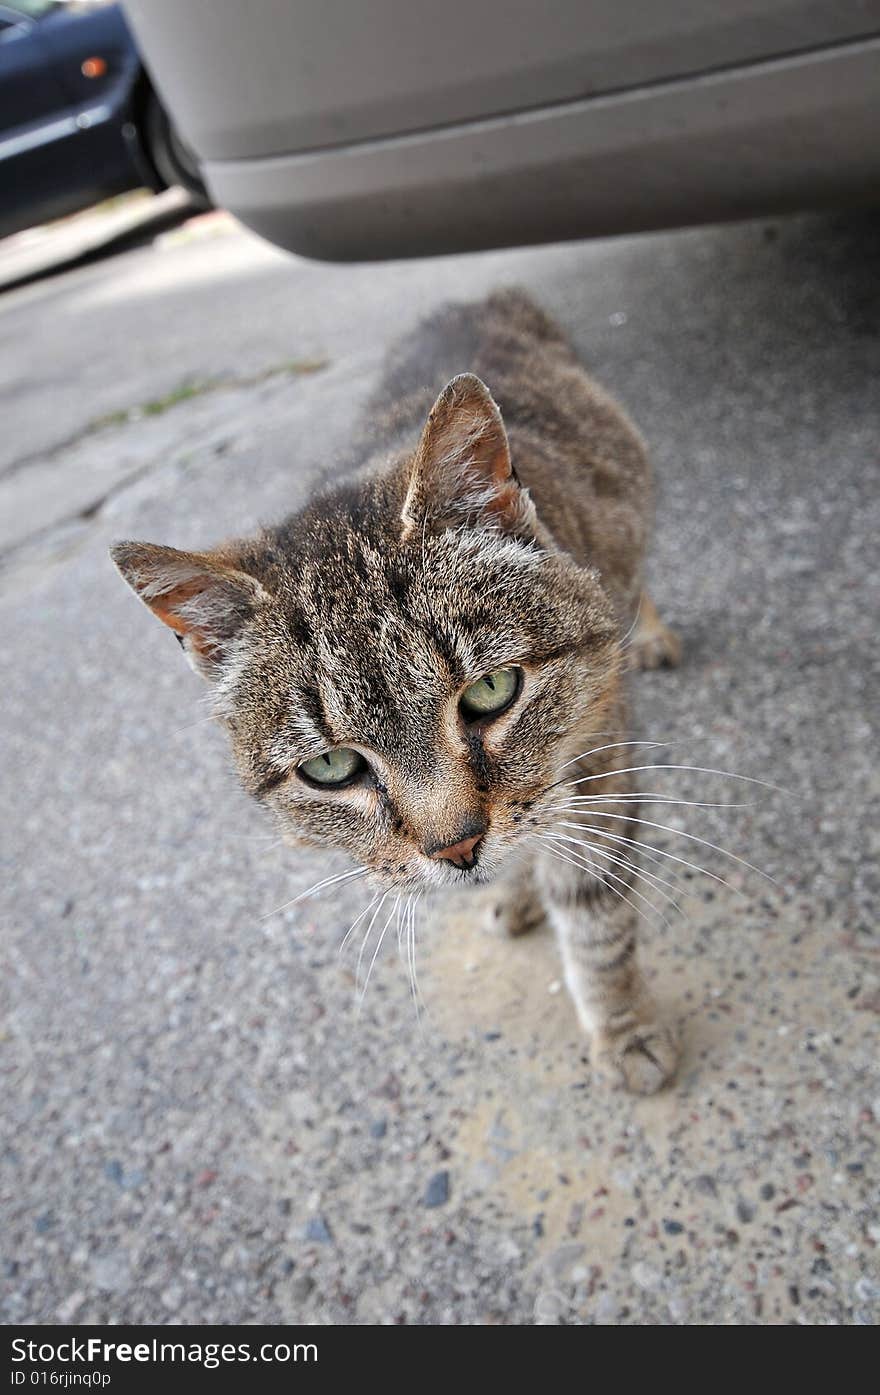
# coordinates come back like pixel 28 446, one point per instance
pixel 184 392
pixel 156 446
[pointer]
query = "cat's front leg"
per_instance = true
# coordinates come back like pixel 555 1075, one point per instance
pixel 596 931
pixel 517 904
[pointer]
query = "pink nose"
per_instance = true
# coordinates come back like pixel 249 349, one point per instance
pixel 460 854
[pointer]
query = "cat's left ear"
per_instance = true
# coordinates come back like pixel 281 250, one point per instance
pixel 462 470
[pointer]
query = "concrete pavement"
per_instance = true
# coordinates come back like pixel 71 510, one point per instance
pixel 198 1125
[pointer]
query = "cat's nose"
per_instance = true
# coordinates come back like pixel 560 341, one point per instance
pixel 462 854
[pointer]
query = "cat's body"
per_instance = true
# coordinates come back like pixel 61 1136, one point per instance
pixel 417 666
pixel 580 458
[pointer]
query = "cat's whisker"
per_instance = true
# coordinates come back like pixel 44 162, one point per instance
pixel 190 726
pixel 612 745
pixel 318 886
pixel 401 923
pixel 645 797
pixel 403 939
pixel 251 839
pixel 623 644
pixel 654 853
pixel 604 876
pixel 355 923
pixel 369 931
pixel 269 846
pixel 646 851
pixel 657 882
pixel 413 977
pixel 410 934
pixel 655 742
pixel 680 832
pixel 694 769
pixel 333 881
pixel 394 909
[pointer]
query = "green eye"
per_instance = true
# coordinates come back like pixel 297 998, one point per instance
pixel 491 694
pixel 333 767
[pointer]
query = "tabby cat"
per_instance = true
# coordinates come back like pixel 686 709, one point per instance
pixel 424 666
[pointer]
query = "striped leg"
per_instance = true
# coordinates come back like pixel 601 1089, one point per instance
pixel 518 906
pixel 596 931
pixel 653 645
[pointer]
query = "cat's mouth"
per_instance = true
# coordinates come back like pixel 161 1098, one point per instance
pixel 472 876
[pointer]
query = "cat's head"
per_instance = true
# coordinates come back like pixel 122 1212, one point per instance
pixel 404 666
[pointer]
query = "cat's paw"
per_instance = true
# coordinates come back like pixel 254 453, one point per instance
pixel 641 1059
pixel 516 915
pixel 655 647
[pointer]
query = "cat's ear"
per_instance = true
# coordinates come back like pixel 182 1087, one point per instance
pixel 203 598
pixel 462 470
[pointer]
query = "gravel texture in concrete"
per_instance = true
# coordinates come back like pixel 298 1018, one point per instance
pixel 199 1123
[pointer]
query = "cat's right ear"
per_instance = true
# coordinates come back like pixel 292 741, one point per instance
pixel 462 471
pixel 203 598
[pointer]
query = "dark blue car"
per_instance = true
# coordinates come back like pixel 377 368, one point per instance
pixel 79 117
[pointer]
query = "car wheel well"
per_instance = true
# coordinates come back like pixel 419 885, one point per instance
pixel 142 94
pixel 170 159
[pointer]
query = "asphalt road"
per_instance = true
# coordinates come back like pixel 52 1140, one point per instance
pixel 197 1123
